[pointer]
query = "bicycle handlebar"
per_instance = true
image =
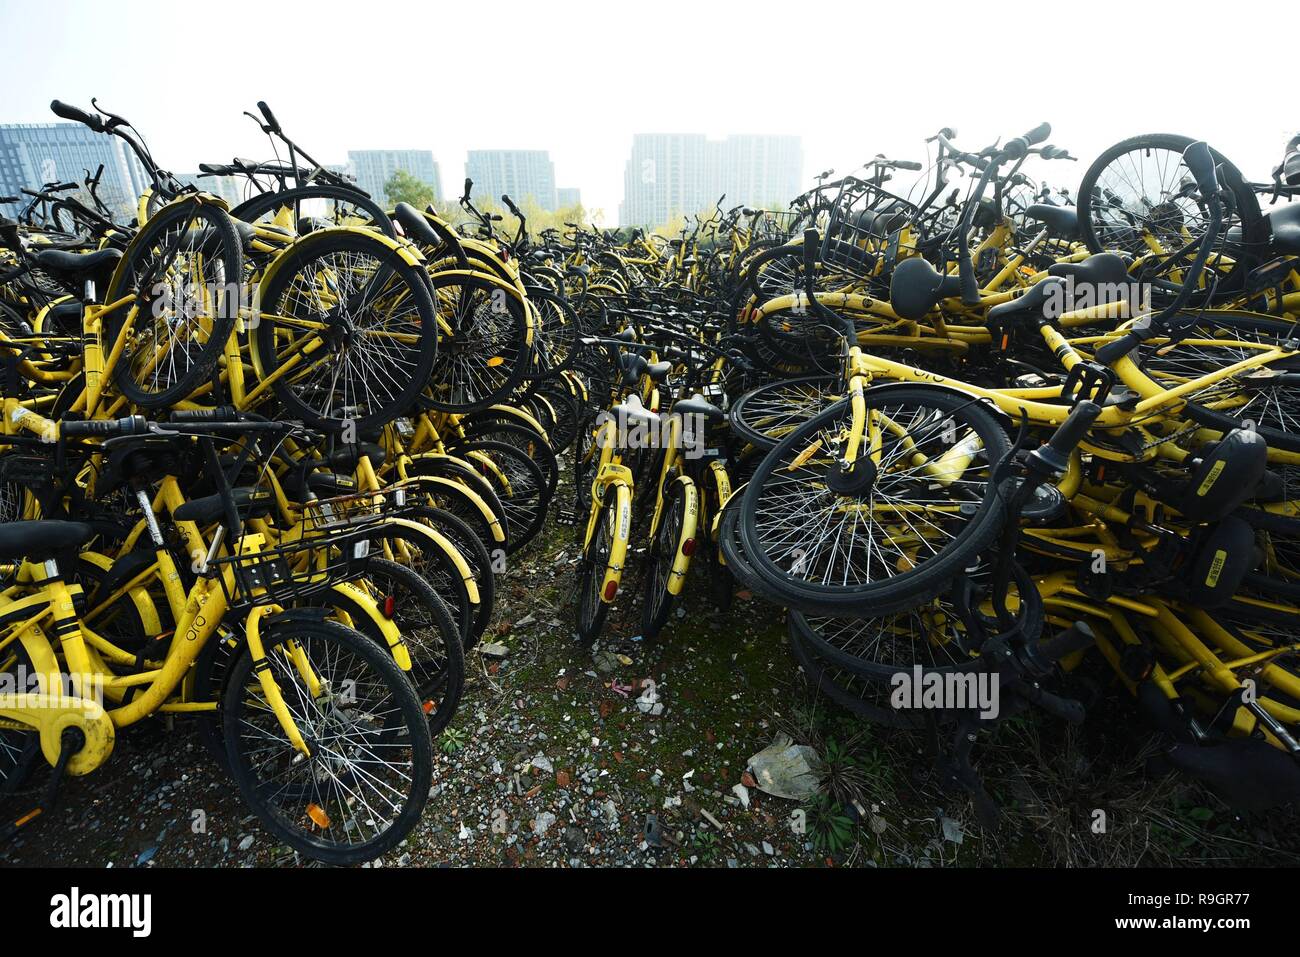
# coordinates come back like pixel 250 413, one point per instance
pixel 1018 147
pixel 271 121
pixel 105 428
pixel 69 112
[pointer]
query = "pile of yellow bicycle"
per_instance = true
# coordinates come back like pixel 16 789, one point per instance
pixel 260 465
pixel 980 433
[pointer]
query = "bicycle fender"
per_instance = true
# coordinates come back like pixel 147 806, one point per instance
pixel 874 390
pixel 392 635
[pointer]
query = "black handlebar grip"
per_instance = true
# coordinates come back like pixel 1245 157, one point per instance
pixel 1200 161
pixel 1117 349
pixel 1075 638
pixel 271 121
pixel 469 184
pixel 77 116
pixel 1074 428
pixel 222 413
pixel 908 165
pixel 510 205
pixel 106 428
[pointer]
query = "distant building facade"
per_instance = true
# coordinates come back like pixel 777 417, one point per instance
pixel 32 154
pixel 670 174
pixel 519 174
pixel 374 168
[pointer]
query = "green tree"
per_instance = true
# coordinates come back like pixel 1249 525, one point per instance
pixel 402 187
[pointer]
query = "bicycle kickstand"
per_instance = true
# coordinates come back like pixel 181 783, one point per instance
pixel 72 741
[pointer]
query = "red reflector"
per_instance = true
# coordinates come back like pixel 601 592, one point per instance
pixel 611 589
pixel 390 606
pixel 688 547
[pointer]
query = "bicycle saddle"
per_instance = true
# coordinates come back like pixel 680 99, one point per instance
pixel 77 266
pixel 698 405
pixel 330 484
pixel 1285 223
pixel 633 366
pixel 1099 268
pixel 916 287
pixel 631 409
pixel 345 459
pixel 414 225
pixel 209 508
pixel 41 540
pixel 1062 221
pixel 1028 305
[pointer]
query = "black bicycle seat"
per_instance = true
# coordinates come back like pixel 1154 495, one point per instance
pixel 698 405
pixel 1100 268
pixel 1060 221
pixel 1285 223
pixel 916 287
pixel 1029 305
pixel 41 540
pixel 250 502
pixel 77 266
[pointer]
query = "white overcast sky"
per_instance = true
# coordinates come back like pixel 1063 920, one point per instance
pixel 576 78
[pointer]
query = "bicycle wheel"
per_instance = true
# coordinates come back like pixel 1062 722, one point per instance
pixel 429 633
pixel 675 535
pixel 592 611
pixel 479 559
pixel 185 270
pixel 415 547
pixel 1217 340
pixel 556 337
pixel 917 510
pixel 346 331
pixel 307 208
pixel 765 415
pixel 1140 191
pixel 867 699
pixel 485 351
pixel 525 439
pixel 20 748
pixel 564 405
pixel 361 790
pixel 520 486
pixel 460 490
pixel 936 635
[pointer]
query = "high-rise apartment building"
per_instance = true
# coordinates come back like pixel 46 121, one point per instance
pixel 374 168
pixel 32 154
pixel 670 174
pixel 519 174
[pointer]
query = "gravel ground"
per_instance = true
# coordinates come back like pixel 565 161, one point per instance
pixel 634 756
